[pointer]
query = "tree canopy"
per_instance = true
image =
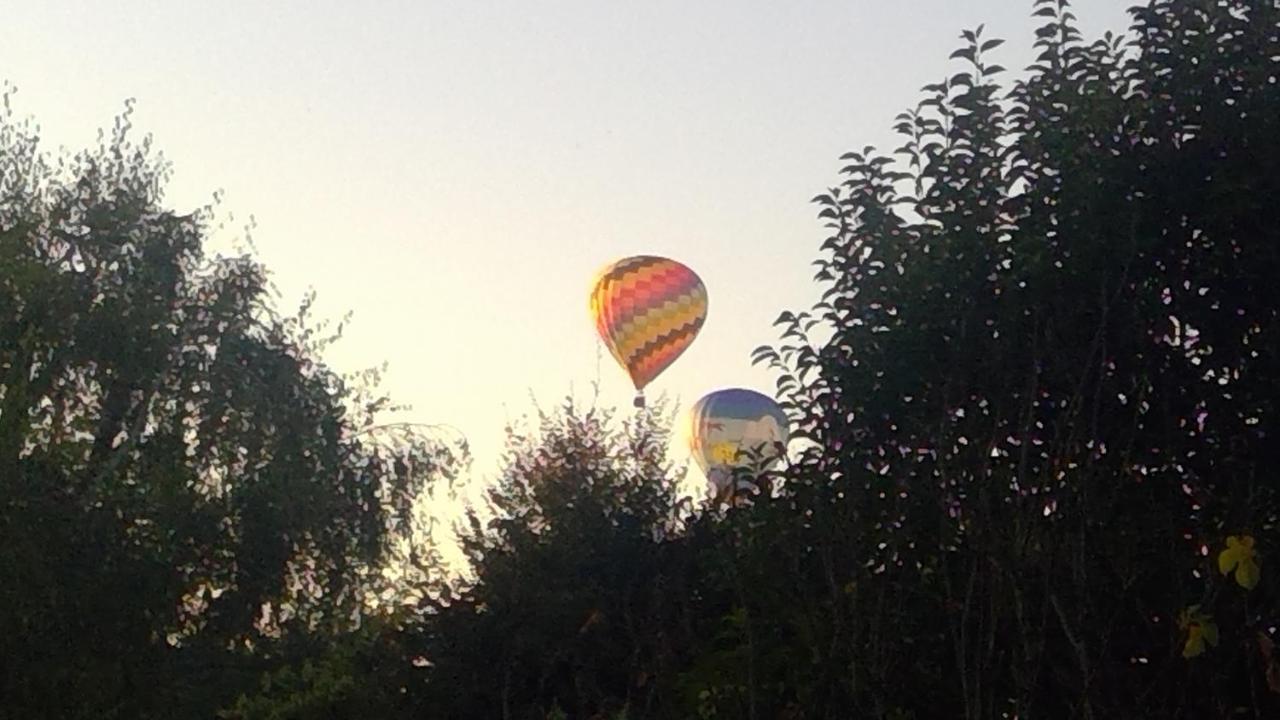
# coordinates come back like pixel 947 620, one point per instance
pixel 186 489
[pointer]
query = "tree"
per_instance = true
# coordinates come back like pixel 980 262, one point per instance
pixel 577 579
pixel 185 489
pixel 1040 384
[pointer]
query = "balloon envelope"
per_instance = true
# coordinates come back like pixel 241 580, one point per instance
pixel 648 310
pixel 736 428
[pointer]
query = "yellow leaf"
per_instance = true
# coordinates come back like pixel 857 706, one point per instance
pixel 1241 557
pixel 1195 644
pixel 1227 558
pixel 1201 631
pixel 1209 631
pixel 1248 574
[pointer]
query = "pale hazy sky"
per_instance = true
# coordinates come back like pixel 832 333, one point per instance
pixel 456 172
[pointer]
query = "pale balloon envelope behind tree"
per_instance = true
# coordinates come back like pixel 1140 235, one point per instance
pixel 647 310
pixel 735 436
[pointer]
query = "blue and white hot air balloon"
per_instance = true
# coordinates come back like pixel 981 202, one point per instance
pixel 735 429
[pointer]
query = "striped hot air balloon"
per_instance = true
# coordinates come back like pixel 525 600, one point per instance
pixel 647 310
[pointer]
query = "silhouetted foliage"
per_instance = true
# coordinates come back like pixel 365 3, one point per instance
pixel 1042 400
pixel 577 581
pixel 184 487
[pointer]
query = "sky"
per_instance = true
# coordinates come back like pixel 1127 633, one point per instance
pixel 455 173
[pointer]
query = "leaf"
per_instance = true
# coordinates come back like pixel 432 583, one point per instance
pixel 1045 12
pixel 1200 629
pixel 991 44
pixel 1248 574
pixel 1209 631
pixel 966 53
pixel 764 353
pixel 1240 557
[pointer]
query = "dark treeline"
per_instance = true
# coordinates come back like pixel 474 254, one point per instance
pixel 1035 474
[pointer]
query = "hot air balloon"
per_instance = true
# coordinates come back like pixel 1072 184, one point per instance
pixel 647 310
pixel 735 429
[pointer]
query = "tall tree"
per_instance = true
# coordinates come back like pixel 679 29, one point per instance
pixel 1042 381
pixel 183 484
